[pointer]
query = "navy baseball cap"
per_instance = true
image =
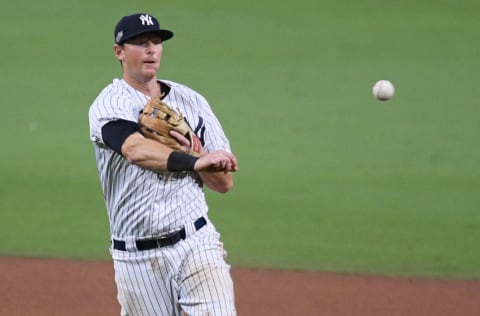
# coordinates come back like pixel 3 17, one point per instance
pixel 133 25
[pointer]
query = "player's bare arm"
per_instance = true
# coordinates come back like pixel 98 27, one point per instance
pixel 148 154
pixel 218 181
pixel 145 153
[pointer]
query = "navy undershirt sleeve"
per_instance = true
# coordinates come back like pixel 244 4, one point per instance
pixel 114 133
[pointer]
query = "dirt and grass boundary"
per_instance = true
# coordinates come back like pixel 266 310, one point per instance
pixel 33 286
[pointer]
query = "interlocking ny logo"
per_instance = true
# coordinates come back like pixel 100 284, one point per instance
pixel 200 130
pixel 146 19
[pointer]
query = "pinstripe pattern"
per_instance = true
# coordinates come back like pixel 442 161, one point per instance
pixel 141 203
pixel 193 273
pixel 156 282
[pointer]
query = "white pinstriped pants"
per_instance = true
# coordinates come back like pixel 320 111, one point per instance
pixel 190 277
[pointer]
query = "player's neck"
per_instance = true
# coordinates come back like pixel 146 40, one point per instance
pixel 151 88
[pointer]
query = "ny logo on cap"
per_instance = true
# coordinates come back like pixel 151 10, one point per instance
pixel 146 19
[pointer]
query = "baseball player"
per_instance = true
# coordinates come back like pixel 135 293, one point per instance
pixel 167 256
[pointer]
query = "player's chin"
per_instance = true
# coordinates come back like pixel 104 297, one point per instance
pixel 150 73
pixel 151 67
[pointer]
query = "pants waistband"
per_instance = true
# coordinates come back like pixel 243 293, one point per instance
pixel 162 241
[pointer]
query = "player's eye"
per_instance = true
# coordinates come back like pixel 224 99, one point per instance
pixel 136 42
pixel 146 43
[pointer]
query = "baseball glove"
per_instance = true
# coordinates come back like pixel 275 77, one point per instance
pixel 158 119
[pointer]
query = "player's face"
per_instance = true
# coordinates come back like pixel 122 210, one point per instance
pixel 141 56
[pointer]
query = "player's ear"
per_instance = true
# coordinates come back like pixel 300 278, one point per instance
pixel 118 51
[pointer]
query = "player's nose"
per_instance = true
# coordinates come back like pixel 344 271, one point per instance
pixel 150 46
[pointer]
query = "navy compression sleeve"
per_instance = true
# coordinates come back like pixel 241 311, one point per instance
pixel 114 133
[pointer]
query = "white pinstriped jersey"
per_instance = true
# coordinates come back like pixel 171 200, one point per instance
pixel 143 203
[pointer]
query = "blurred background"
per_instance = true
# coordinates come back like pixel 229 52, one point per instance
pixel 330 179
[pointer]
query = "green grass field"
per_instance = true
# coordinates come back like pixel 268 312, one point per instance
pixel 330 178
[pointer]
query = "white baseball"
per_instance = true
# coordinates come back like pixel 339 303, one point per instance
pixel 383 90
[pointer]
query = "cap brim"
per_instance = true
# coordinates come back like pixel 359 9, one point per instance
pixel 165 35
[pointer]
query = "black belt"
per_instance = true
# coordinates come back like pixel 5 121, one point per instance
pixel 163 241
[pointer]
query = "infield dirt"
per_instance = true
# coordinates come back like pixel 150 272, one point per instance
pixel 66 287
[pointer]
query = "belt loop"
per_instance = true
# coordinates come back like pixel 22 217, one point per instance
pixel 130 244
pixel 189 229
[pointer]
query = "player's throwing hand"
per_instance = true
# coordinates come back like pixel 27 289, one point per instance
pixel 217 161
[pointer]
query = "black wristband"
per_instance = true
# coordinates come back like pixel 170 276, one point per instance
pixel 178 161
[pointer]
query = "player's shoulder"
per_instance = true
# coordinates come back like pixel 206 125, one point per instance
pixel 184 94
pixel 179 88
pixel 114 92
pixel 116 87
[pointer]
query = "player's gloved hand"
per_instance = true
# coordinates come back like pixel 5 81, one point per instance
pixel 158 119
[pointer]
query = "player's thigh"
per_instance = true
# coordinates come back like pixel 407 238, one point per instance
pixel 206 286
pixel 145 287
